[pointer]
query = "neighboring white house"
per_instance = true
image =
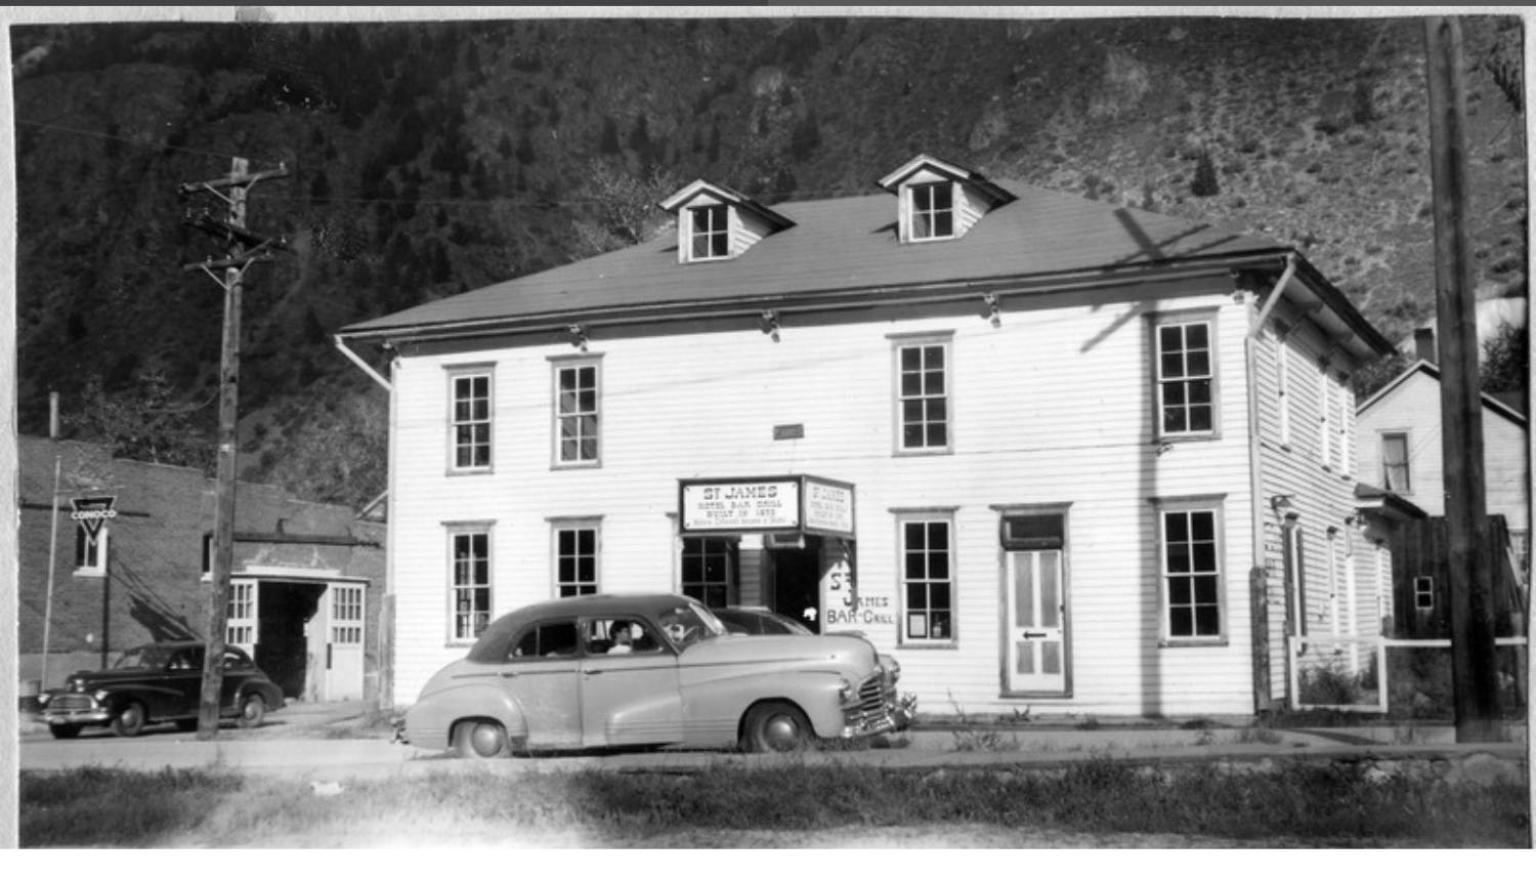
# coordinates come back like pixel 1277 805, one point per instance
pixel 1401 450
pixel 1051 453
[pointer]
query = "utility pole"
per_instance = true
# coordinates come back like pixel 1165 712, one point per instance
pixel 1474 666
pixel 242 249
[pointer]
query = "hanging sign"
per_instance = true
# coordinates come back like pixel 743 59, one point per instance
pixel 91 511
pixel 791 504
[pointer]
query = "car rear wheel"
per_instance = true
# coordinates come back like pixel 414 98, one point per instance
pixel 129 720
pixel 252 710
pixel 64 732
pixel 481 738
pixel 777 726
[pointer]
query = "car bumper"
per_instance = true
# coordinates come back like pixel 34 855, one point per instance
pixel 77 717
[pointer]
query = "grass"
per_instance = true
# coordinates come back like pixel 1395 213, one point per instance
pixel 1321 805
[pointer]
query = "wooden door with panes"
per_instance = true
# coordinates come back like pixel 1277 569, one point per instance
pixel 344 642
pixel 1037 628
pixel 240 618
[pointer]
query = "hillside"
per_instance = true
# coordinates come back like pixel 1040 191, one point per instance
pixel 429 159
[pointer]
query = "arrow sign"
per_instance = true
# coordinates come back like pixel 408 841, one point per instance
pixel 91 511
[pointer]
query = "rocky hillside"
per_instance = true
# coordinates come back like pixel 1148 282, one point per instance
pixel 428 159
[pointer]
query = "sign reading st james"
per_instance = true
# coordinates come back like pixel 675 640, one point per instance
pixel 792 503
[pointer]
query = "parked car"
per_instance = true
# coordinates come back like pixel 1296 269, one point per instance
pixel 553 676
pixel 759 620
pixel 160 682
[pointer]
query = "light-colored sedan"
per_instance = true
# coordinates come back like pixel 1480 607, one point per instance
pixel 653 670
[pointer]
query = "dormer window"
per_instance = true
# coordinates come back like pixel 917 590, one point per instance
pixel 940 201
pixel 711 231
pixel 715 223
pixel 933 211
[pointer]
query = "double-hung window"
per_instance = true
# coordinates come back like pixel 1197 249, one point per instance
pixel 1190 590
pixel 469 548
pixel 1186 377
pixel 707 569
pixel 576 549
pixel 1394 462
pixel 710 235
pixel 922 394
pixel 470 420
pixel 927 577
pixel 933 210
pixel 577 412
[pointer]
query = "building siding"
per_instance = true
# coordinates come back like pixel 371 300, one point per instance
pixel 1054 405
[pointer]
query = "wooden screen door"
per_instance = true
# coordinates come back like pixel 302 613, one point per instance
pixel 1035 595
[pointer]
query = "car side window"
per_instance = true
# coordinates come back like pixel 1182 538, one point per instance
pixel 555 639
pixel 620 636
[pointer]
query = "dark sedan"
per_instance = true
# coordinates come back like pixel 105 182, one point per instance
pixel 160 682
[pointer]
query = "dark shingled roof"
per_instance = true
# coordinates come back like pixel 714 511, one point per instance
pixel 847 244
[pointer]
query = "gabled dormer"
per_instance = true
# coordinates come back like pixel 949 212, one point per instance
pixel 940 201
pixel 715 223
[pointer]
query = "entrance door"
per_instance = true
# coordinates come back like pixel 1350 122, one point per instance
pixel 1035 657
pixel 344 643
pixel 797 583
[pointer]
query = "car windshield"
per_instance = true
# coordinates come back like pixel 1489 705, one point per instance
pixel 690 623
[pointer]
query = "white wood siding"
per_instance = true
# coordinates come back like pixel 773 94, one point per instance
pixel 1413 407
pixel 1320 492
pixel 1054 406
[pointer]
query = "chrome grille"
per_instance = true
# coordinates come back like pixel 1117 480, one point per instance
pixel 872 703
pixel 64 702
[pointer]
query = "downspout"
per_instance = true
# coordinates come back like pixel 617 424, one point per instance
pixel 369 370
pixel 1258 589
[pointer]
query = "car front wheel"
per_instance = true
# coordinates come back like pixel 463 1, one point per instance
pixel 252 710
pixel 129 720
pixel 480 738
pixel 777 726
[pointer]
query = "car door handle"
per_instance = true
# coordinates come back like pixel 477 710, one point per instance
pixel 591 671
pixel 507 674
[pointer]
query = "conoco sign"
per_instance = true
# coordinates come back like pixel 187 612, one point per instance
pixel 91 511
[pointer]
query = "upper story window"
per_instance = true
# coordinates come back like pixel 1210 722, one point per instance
pixel 710 235
pixel 922 394
pixel 91 552
pixel 1186 378
pixel 470 420
pixel 715 222
pixel 1395 474
pixel 576 413
pixel 933 210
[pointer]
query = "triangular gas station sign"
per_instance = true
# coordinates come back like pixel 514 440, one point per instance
pixel 91 511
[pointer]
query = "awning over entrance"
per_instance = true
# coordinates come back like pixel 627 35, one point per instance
pixel 784 504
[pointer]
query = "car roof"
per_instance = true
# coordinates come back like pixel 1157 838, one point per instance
pixel 645 605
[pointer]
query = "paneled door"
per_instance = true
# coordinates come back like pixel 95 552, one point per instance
pixel 1035 598
pixel 344 642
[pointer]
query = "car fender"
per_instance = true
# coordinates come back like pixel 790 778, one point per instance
pixel 714 707
pixel 269 692
pixel 429 722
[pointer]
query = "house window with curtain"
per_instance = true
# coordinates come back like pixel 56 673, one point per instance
pixel 927 577
pixel 577 415
pixel 933 211
pixel 1394 462
pixel 470 588
pixel 711 237
pixel 470 421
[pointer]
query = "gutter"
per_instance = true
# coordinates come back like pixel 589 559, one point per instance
pixel 562 321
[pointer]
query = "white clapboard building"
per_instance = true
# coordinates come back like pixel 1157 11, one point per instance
pixel 1052 453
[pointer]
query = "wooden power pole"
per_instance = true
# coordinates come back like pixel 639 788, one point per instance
pixel 1474 665
pixel 243 249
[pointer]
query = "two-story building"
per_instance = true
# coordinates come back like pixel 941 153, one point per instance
pixel 1054 454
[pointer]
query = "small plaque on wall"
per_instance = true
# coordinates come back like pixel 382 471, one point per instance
pixel 788 431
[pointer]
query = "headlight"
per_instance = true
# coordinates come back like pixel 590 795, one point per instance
pixel 42 699
pixel 845 691
pixel 100 694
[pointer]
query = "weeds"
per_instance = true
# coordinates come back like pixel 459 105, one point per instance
pixel 972 738
pixel 1320 804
